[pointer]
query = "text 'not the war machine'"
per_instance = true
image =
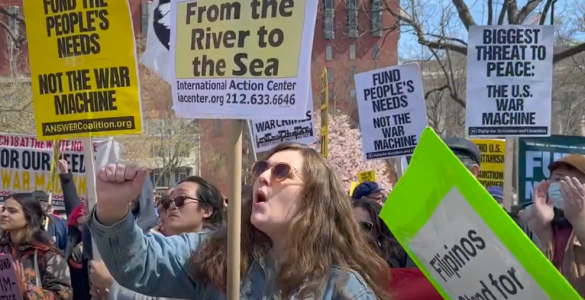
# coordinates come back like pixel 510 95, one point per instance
pixel 448 265
pixel 389 93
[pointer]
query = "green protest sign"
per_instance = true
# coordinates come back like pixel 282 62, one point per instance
pixel 462 240
pixel 534 156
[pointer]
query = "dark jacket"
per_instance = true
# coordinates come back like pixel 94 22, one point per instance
pixel 51 280
pixel 58 231
pixel 74 252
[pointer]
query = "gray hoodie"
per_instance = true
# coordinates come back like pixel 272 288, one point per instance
pixel 146 219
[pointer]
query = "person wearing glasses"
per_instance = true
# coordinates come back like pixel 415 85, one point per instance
pixel 194 205
pixel 366 213
pixel 299 238
pixel 369 190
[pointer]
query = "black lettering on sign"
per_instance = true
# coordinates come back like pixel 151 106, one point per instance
pixel 76 24
pixel 510 105
pixel 207 39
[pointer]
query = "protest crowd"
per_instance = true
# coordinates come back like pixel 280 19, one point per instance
pixel 453 226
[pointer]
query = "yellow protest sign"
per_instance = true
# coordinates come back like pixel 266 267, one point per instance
pixel 367 176
pixel 264 44
pixel 352 187
pixel 83 68
pixel 492 162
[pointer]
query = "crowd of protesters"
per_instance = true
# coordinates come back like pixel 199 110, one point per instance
pixel 302 234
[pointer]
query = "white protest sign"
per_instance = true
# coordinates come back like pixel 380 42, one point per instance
pixel 25 164
pixel 391 109
pixel 509 80
pixel 269 133
pixel 241 59
pixel 9 286
pixel 467 258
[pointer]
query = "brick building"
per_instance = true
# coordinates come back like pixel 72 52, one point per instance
pixel 351 36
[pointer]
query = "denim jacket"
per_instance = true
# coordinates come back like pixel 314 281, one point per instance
pixel 158 266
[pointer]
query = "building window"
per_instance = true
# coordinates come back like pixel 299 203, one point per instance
pixel 376 18
pixel 376 51
pixel 217 130
pixel 352 51
pixel 330 95
pixel 145 16
pixel 328 19
pixel 328 53
pixel 182 175
pixel 329 75
pixel 352 18
pixel 351 74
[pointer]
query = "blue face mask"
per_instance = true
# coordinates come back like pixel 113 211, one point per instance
pixel 554 194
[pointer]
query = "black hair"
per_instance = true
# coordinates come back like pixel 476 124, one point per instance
pixel 387 245
pixel 210 196
pixel 34 215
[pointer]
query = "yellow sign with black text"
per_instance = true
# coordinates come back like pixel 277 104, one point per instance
pixel 493 154
pixel 83 68
pixel 367 176
pixel 244 39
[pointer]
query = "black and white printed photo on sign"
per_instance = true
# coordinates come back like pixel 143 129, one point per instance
pixel 509 81
pixel 269 133
pixel 392 110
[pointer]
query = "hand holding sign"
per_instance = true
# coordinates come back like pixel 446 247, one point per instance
pixel 63 166
pixel 573 199
pixel 542 211
pixel 117 185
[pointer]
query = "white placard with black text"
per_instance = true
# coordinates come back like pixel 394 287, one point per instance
pixel 509 81
pixel 392 110
pixel 269 133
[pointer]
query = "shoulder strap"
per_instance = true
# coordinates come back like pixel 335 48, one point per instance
pixel 37 271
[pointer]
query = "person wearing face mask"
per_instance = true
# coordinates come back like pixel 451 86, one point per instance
pixel 557 218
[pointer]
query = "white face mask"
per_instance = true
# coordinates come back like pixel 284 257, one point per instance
pixel 554 194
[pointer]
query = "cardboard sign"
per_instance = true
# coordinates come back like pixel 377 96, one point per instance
pixel 241 59
pixel 392 110
pixel 463 241
pixel 83 68
pixel 8 285
pixel 509 80
pixel 493 154
pixel 367 176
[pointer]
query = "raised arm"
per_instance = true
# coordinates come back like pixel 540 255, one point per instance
pixel 146 263
pixel 70 197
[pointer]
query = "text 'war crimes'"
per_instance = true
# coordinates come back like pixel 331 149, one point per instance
pixel 76 25
pixel 510 106
pixel 273 124
pixel 76 94
pixel 208 39
pixel 388 94
pixel 510 52
pixel 448 266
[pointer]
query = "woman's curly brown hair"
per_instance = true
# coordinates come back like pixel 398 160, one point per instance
pixel 324 234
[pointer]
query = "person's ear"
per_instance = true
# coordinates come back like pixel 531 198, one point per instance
pixel 207 212
pixel 475 170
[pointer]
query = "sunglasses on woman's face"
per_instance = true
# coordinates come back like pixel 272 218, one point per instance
pixel 366 226
pixel 280 171
pixel 179 201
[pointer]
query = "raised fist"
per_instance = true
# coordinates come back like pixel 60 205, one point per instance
pixel 116 186
pixel 63 166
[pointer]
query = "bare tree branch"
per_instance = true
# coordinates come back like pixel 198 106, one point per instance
pixel 490 5
pixel 512 10
pixel 18 40
pixel 464 13
pixel 525 11
pixel 545 10
pixel 439 89
pixel 503 11
pixel 568 53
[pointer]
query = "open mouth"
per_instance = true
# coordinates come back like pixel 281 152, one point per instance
pixel 260 197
